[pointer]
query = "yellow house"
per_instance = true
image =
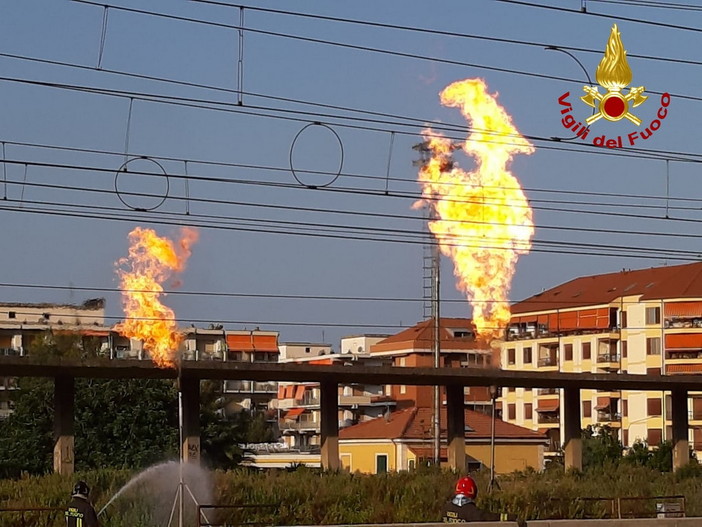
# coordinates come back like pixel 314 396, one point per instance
pixel 402 440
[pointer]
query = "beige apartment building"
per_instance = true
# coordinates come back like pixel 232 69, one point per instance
pixel 644 322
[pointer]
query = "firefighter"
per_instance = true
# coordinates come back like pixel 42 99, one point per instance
pixel 80 512
pixel 462 508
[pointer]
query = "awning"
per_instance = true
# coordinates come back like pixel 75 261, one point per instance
pixel 250 341
pixel 299 392
pixel 684 341
pixel 602 403
pixel 548 405
pixel 683 309
pixel 281 392
pixel 672 369
pixel 293 413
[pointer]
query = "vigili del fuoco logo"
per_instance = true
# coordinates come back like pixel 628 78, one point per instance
pixel 614 75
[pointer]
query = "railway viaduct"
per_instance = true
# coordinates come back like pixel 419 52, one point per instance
pixel 190 373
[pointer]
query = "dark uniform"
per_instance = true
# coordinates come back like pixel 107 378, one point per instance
pixel 80 513
pixel 462 510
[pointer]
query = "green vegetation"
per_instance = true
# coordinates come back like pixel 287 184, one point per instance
pixel 308 497
pixel 119 423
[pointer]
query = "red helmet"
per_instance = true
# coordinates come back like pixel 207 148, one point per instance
pixel 466 486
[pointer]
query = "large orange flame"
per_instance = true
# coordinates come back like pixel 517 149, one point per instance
pixel 483 220
pixel 151 261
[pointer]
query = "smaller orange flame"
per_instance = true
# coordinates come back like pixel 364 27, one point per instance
pixel 151 261
pixel 614 72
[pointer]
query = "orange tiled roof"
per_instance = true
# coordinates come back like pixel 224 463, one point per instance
pixel 421 336
pixel 416 423
pixel 675 281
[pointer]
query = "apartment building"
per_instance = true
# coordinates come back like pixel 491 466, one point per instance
pixel 299 403
pixel 645 322
pixel 413 347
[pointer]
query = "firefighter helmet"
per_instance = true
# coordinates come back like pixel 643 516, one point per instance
pixel 466 486
pixel 81 488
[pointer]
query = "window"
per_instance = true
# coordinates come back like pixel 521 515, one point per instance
pixel 527 355
pixel 653 371
pixel 625 349
pixel 625 437
pixel 528 411
pixel 568 351
pixel 587 350
pixel 655 436
pixel 403 389
pixel 511 411
pixel 653 346
pixel 624 319
pixel 654 409
pixel 625 408
pixel 587 408
pixel 411 464
pixel 653 315
pixel 381 463
pixel 697 408
pixel 511 356
pixel 307 350
pixel 11 314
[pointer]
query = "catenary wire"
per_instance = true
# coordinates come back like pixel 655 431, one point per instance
pixel 303 117
pixel 438 32
pixel 279 296
pixel 346 190
pixel 270 168
pixel 589 13
pixel 360 47
pixel 633 252
pixel 271 323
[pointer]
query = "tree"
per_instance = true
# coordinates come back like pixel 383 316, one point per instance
pixel 600 446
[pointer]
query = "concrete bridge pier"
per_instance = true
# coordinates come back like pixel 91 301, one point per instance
pixel 329 409
pixel 681 447
pixel 572 440
pixel 455 428
pixel 64 440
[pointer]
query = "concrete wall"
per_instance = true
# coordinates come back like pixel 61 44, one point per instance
pixel 643 522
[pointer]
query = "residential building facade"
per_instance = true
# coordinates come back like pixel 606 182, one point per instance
pixel 645 322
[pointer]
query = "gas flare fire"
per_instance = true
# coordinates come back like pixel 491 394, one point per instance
pixel 482 218
pixel 152 260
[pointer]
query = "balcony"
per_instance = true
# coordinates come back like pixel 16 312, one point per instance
pixel 548 361
pixel 9 352
pixel 299 426
pixel 608 358
pixel 609 417
pixel 548 418
pixel 250 387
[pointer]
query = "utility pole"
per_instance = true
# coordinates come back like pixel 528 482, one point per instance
pixel 436 348
pixel 432 285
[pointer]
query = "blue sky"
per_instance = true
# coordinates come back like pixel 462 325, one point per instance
pixel 45 246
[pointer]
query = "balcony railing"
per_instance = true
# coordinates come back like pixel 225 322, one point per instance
pixel 609 416
pixel 687 354
pixel 607 357
pixel 548 418
pixel 548 361
pixel 7 352
pixel 299 425
pixel 251 387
